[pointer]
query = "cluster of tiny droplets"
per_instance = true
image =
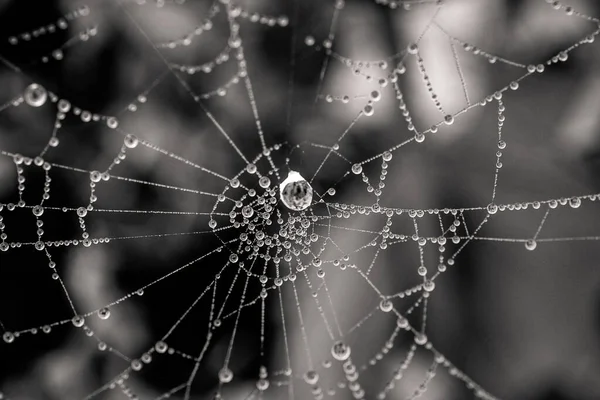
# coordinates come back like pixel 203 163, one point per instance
pixel 207 67
pixel 141 99
pixel 60 24
pixel 414 50
pixel 233 45
pixel 296 240
pixel 405 4
pixel 159 3
pixel 58 53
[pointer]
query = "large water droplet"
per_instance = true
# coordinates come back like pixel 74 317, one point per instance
pixel 340 351
pixel 104 313
pixel 295 192
pixel 225 375
pixel 35 95
pixel 8 337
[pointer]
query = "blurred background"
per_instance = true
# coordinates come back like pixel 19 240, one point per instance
pixel 522 324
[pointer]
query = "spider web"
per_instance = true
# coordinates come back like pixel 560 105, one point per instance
pixel 249 295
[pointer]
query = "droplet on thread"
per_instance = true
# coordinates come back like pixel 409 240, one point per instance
pixel 104 313
pixel 295 192
pixel 78 321
pixel 35 95
pixel 340 351
pixel 8 337
pixel 575 202
pixel 530 244
pixel 112 123
pixel 131 141
pixel 386 305
pixel 225 375
pixel 311 377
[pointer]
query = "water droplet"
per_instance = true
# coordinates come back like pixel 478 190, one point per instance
pixel 421 339
pixel 58 54
pixel 95 176
pixel 412 48
pixel 82 212
pixel 375 95
pixel 38 211
pixel 161 347
pixel 283 21
pixel 131 141
pixel 136 365
pixel 311 377
pixel 575 202
pixel 225 375
pixel 112 122
pixel 264 182
pixel 428 286
pixel 78 321
pixel 295 192
pixel 262 384
pixel 530 244
pixel 340 351
pixel 235 42
pixel 356 169
pixel 8 337
pixel 64 105
pixel 449 119
pixel 562 56
pixel 104 313
pixel 402 322
pixel 35 95
pixel 247 212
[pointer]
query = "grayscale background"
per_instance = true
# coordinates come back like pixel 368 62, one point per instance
pixel 524 325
